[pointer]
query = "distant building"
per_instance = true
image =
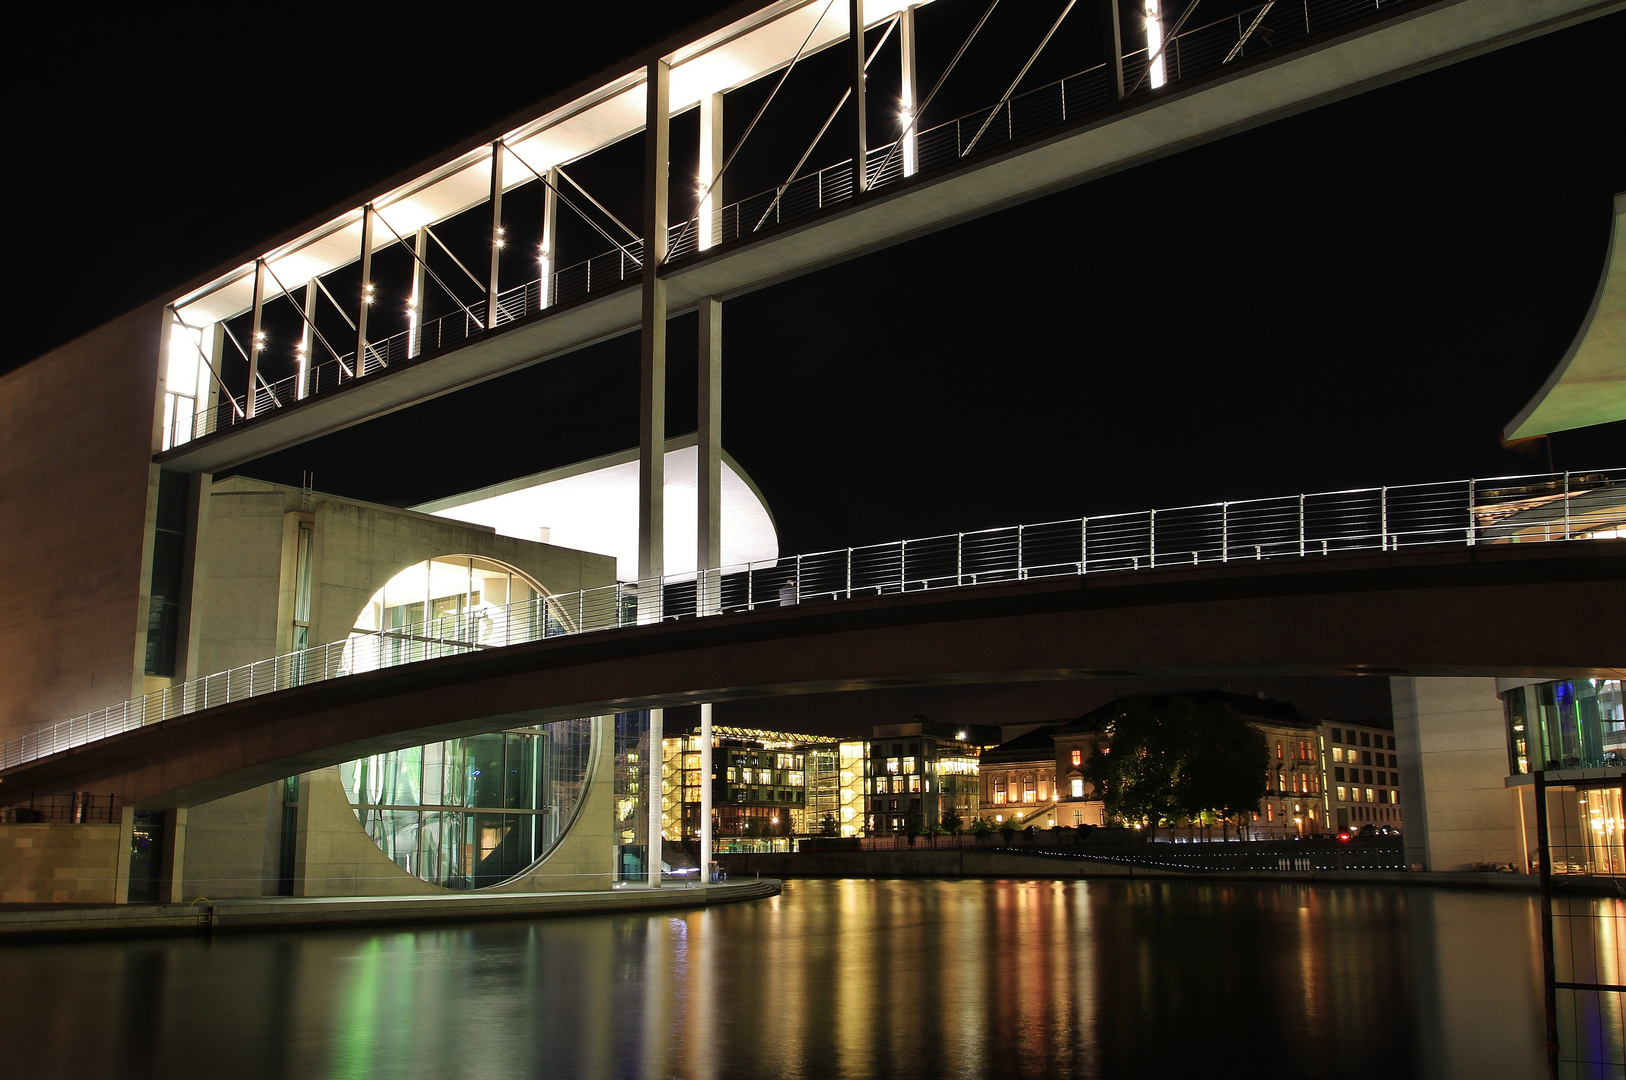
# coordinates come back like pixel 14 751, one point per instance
pixel 919 771
pixel 1038 777
pixel 1364 776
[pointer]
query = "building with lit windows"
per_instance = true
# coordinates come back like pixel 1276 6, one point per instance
pixel 1038 777
pixel 919 771
pixel 1363 782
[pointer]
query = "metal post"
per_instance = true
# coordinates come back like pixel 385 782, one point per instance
pixel 360 366
pixel 1566 504
pixel 711 165
pixel 705 792
pixel 911 80
pixel 1084 545
pixel 1225 532
pixel 497 239
pixel 1471 528
pixel 255 340
pixel 550 229
pixel 1020 569
pixel 709 463
pixel 1301 526
pixel 655 784
pixel 1151 536
pixel 959 559
pixel 849 573
pixel 855 23
pixel 1383 514
pixel 652 346
pixel 1115 47
pixel 420 285
pixel 307 335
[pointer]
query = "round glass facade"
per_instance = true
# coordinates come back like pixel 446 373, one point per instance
pixel 1568 724
pixel 468 813
pixel 473 812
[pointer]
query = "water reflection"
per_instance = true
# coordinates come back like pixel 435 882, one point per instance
pixel 831 979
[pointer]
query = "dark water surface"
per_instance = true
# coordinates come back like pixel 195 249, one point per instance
pixel 895 979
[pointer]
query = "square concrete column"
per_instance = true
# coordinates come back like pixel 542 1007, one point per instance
pixel 705 792
pixel 652 350
pixel 1451 738
pixel 550 229
pixel 493 285
pixel 855 24
pixel 655 769
pixel 172 865
pixel 121 875
pixel 709 466
pixel 910 87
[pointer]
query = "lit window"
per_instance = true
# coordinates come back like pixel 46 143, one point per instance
pixel 1270 809
pixel 908 765
pixel 892 765
pixel 1029 789
pixel 1278 751
pixel 1338 753
pixel 1078 757
pixel 1078 788
pixel 1341 794
pixel 914 783
pixel 1369 797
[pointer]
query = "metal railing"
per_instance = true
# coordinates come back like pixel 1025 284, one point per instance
pixel 1518 509
pixel 1189 54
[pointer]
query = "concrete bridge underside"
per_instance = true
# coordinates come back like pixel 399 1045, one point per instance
pixel 1508 610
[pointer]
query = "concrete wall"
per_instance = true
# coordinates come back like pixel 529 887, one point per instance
pixel 1452 743
pixel 63 864
pixel 77 431
pixel 233 845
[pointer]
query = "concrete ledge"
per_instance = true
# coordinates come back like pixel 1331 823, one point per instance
pixel 282 912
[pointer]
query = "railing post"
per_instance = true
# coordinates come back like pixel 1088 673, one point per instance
pixel 1021 566
pixel 849 573
pixel 1151 536
pixel 1301 526
pixel 959 560
pixel 1471 527
pixel 1225 532
pixel 798 582
pixel 1383 515
pixel 1083 545
pixel 1566 504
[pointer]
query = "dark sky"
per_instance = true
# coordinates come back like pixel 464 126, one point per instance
pixel 1359 295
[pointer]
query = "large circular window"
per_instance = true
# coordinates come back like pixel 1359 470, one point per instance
pixel 464 813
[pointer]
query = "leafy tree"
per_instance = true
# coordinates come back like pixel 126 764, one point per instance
pixel 1169 758
pixel 1007 830
pixel 981 829
pixel 952 823
pixel 828 826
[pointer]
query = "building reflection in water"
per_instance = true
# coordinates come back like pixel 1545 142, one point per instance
pixel 831 979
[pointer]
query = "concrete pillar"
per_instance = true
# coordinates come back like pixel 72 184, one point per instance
pixel 172 865
pixel 254 335
pixel 705 792
pixel 366 301
pixel 655 785
pixel 1451 738
pixel 709 451
pixel 121 875
pixel 909 97
pixel 497 237
pixel 550 229
pixel 420 285
pixel 652 350
pixel 711 164
pixel 191 607
pixel 855 48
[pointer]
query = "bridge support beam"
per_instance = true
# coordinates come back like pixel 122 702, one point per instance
pixel 493 283
pixel 420 285
pixel 909 92
pixel 705 792
pixel 550 229
pixel 652 350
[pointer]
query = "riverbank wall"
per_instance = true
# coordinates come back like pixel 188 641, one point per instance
pixel 56 921
pixel 1009 863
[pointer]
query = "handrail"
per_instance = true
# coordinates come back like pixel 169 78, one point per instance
pixel 1500 510
pixel 1186 55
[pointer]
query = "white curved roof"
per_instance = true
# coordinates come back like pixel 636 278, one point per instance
pixel 593 506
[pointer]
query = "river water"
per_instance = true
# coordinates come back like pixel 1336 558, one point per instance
pixel 895 979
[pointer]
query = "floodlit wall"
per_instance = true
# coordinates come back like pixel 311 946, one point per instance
pixel 63 864
pixel 1452 741
pixel 77 430
pixel 232 845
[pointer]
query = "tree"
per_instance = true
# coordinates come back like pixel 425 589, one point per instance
pixel 981 829
pixel 952 823
pixel 828 826
pixel 1170 757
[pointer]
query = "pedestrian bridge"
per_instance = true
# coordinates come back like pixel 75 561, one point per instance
pixel 1455 579
pixel 293 345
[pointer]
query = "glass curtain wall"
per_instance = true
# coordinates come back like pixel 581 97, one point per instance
pixel 1569 724
pixel 470 813
pixel 632 790
pixel 442 607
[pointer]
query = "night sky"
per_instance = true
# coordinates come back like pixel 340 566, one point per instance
pixel 1359 295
